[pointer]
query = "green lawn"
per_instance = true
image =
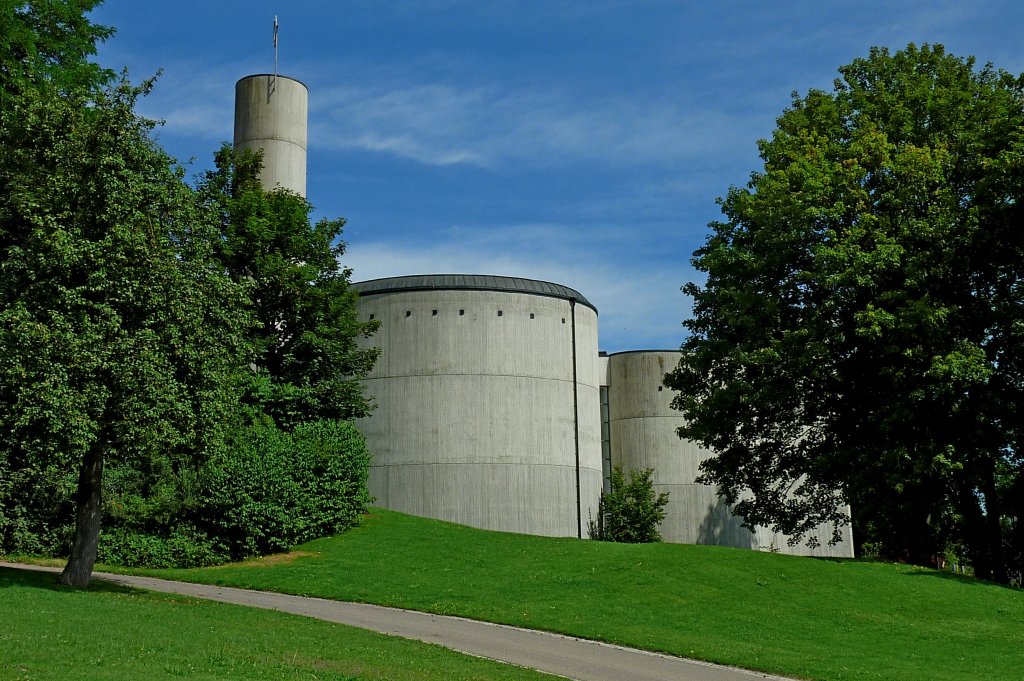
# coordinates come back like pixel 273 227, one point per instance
pixel 820 619
pixel 110 632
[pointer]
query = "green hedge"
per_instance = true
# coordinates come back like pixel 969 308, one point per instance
pixel 271 489
pixel 264 491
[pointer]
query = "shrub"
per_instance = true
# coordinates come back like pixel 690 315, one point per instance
pixel 631 512
pixel 265 490
pixel 183 547
pixel 271 489
pixel 36 507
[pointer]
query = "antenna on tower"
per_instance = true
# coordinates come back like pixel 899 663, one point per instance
pixel 273 82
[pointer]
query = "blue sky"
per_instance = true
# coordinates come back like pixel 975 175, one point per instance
pixel 580 142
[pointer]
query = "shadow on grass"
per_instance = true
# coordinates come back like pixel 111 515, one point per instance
pixel 963 579
pixel 14 577
pixel 908 570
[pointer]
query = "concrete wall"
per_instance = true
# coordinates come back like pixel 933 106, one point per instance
pixel 642 433
pixel 271 114
pixel 475 421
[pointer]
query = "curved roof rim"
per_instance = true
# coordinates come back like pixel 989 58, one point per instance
pixel 471 282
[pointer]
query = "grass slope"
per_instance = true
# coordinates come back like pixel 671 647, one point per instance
pixel 809 618
pixel 109 632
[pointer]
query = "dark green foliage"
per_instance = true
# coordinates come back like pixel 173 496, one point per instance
pixel 309 363
pixel 263 492
pixel 49 41
pixel 128 303
pixel 858 338
pixel 183 547
pixel 121 336
pixel 631 512
pixel 271 489
pixel 44 55
pixel 36 505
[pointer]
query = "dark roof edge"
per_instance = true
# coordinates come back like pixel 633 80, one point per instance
pixel 270 75
pixel 634 352
pixel 469 282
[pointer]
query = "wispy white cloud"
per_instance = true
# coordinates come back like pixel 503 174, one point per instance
pixel 195 104
pixel 638 301
pixel 442 124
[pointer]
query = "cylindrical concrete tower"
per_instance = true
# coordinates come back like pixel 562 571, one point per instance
pixel 642 427
pixel 270 115
pixel 487 402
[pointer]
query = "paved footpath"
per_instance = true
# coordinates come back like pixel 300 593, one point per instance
pixel 573 658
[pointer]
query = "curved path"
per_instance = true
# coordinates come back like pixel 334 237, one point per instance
pixel 573 658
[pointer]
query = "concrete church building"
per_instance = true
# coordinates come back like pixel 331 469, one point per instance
pixel 495 408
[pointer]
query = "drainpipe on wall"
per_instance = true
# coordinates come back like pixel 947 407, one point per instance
pixel 576 420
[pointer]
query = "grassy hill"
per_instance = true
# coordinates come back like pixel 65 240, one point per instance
pixel 52 633
pixel 810 618
pixel 807 618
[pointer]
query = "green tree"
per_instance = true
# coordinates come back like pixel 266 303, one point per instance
pixel 125 343
pixel 119 333
pixel 859 336
pixel 52 41
pixel 42 44
pixel 631 511
pixel 309 363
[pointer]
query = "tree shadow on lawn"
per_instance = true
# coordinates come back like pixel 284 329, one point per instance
pixel 963 579
pixel 14 577
pixel 908 570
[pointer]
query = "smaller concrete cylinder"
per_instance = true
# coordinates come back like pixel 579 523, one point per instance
pixel 271 115
pixel 642 426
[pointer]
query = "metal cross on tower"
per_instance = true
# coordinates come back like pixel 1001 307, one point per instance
pixel 273 81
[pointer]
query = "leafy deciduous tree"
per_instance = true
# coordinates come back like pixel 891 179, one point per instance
pixel 120 333
pixel 51 41
pixel 126 302
pixel 309 363
pixel 859 336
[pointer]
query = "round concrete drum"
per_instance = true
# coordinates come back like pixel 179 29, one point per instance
pixel 487 402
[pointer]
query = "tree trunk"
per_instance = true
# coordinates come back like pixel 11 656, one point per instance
pixel 993 527
pixel 89 512
pixel 983 535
